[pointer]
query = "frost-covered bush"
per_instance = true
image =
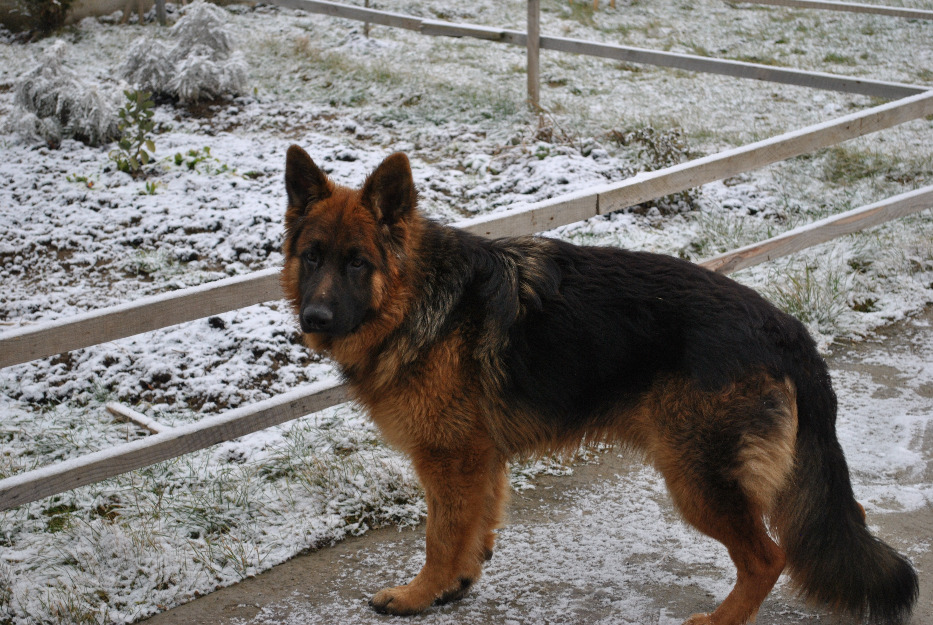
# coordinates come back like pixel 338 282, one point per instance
pixel 201 65
pixel 52 102
pixel 148 65
pixel 204 24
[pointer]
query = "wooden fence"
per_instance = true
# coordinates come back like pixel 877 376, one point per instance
pixel 150 313
pixel 172 308
pixel 629 54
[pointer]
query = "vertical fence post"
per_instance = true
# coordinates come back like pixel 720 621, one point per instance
pixel 533 47
pixel 160 11
pixel 366 24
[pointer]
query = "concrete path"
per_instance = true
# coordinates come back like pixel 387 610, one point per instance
pixel 605 546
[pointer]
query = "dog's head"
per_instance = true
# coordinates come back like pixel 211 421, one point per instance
pixel 344 248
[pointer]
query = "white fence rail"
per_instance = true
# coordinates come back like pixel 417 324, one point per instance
pixel 851 7
pixel 143 315
pixel 173 442
pixel 735 69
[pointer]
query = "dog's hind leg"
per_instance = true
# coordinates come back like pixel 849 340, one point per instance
pixel 725 456
pixel 459 486
pixel 758 560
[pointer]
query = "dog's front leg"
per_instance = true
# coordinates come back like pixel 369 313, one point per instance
pixel 458 484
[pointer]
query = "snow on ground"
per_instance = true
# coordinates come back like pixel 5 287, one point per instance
pixel 77 235
pixel 606 546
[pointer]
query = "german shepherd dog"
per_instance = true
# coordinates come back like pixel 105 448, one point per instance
pixel 468 351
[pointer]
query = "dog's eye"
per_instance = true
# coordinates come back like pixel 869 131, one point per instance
pixel 357 263
pixel 312 257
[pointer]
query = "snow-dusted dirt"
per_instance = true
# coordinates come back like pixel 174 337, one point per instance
pixel 76 234
pixel 604 545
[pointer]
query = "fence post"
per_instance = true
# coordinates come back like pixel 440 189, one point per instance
pixel 533 46
pixel 366 24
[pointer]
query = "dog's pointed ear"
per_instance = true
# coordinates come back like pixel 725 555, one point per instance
pixel 305 183
pixel 389 192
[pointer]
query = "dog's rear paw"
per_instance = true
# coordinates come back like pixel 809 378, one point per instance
pixel 700 619
pixel 399 601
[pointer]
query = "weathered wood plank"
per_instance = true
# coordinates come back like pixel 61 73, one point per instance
pixel 533 50
pixel 94 467
pixel 148 313
pixel 125 413
pixel 448 29
pixel 537 217
pixel 335 9
pixel 916 14
pixel 737 69
pixel 655 184
pixel 823 230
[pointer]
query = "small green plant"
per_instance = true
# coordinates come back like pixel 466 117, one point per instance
pixel 192 158
pixel 660 147
pixel 135 147
pixel 721 231
pixel 151 188
pixel 87 182
pixel 844 165
pixel 200 160
pixel 60 517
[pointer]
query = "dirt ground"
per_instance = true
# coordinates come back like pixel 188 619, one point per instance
pixel 558 559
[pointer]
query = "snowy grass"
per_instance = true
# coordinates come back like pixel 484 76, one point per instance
pixel 79 235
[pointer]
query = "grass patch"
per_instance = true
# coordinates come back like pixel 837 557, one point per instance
pixel 839 59
pixel 758 59
pixel 59 517
pixel 845 165
pixel 814 294
pixel 723 231
pixel 583 13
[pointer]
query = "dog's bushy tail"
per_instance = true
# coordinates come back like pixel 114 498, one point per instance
pixel 832 558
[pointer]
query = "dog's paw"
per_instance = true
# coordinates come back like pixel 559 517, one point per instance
pixel 400 601
pixel 456 593
pixel 700 619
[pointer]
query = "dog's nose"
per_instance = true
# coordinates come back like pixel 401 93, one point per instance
pixel 316 318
